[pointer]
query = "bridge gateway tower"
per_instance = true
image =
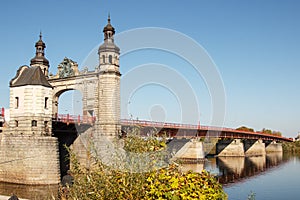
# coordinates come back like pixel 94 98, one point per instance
pixel 31 96
pixel 28 142
pixel 108 105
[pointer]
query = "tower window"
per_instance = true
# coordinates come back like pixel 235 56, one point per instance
pixel 34 123
pixel 16 123
pixel 46 126
pixel 110 59
pixel 46 102
pixel 16 102
pixel 103 58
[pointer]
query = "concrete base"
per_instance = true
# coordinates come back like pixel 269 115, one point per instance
pixel 273 147
pixel 254 148
pixel 230 148
pixel 191 150
pixel 32 160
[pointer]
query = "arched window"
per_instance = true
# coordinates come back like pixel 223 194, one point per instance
pixel 16 102
pixel 46 126
pixel 116 60
pixel 103 58
pixel 34 123
pixel 46 102
pixel 16 123
pixel 110 59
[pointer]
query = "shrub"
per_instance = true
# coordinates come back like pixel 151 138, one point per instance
pixel 105 182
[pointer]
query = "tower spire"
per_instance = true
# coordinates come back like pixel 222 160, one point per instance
pixel 108 30
pixel 39 59
pixel 108 51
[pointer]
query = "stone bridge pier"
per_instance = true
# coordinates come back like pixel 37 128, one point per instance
pixel 238 147
pixel 230 147
pixel 273 146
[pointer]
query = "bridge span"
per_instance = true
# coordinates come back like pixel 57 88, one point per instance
pixel 176 130
pixel 186 138
pixel 191 131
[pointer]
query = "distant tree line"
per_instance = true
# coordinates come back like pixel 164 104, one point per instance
pixel 268 131
pixel 264 130
pixel 244 128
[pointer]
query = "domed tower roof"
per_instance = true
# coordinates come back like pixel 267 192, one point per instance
pixel 40 42
pixel 109 27
pixel 109 45
pixel 39 54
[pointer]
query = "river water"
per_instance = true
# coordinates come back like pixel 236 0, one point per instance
pixel 273 177
pixel 270 181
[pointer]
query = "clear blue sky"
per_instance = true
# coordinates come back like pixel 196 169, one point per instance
pixel 254 44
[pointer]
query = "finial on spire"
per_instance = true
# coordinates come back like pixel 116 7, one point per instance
pixel 108 19
pixel 40 35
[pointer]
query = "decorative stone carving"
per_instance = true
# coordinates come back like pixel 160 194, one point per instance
pixel 66 68
pixel 85 70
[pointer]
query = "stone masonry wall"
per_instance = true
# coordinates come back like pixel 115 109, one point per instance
pixel 108 115
pixel 29 159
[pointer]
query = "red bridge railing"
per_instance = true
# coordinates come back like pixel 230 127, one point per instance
pixel 225 132
pixel 75 119
pixel 229 131
pixel 2 112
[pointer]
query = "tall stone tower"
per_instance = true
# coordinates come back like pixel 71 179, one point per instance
pixel 108 122
pixel 27 143
pixel 39 59
pixel 30 102
pixel 31 96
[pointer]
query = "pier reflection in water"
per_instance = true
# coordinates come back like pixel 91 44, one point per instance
pixel 233 169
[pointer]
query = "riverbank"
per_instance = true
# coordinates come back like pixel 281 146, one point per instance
pixel 291 147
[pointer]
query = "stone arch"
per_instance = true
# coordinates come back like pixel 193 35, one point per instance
pixel 57 94
pixel 60 101
pixel 86 84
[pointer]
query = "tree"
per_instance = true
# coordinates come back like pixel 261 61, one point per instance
pixel 268 131
pixel 244 128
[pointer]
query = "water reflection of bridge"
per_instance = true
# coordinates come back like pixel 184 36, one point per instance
pixel 236 169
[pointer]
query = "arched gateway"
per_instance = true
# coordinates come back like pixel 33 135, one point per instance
pixel 100 88
pixel 27 143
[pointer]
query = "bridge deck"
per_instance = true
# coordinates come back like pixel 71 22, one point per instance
pixel 190 130
pixel 178 130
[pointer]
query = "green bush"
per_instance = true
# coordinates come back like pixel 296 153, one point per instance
pixel 169 183
pixel 101 182
pixel 139 145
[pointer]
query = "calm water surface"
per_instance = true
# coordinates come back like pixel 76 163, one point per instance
pixel 273 177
